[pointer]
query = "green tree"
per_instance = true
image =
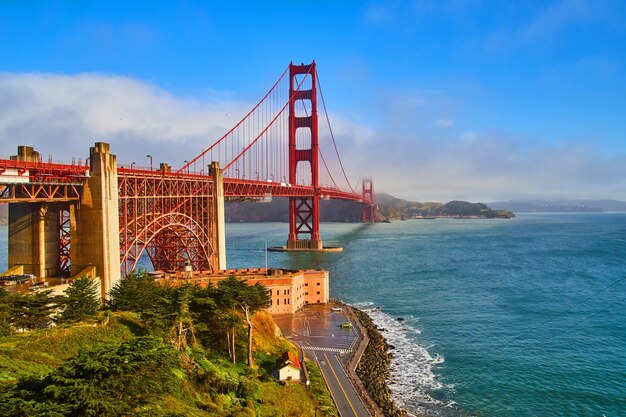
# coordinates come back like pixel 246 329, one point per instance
pixel 107 381
pixel 33 311
pixel 5 312
pixel 248 299
pixel 135 292
pixel 82 300
pixel 203 309
pixel 215 316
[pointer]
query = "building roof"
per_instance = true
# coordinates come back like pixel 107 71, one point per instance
pixel 287 359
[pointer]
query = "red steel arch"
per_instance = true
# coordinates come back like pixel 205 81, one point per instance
pixel 169 216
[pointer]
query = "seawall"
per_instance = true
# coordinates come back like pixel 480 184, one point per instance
pixel 373 366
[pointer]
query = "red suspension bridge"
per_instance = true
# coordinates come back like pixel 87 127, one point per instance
pixel 176 216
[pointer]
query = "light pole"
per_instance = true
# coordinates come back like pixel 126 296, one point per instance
pixel 150 156
pixel 131 164
pixel 186 162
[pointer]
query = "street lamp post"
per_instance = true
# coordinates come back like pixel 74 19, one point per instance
pixel 150 156
pixel 131 164
pixel 186 162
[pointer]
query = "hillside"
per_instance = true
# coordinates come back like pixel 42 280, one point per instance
pixel 277 210
pixel 396 208
pixel 157 381
pixel 182 352
pixel 389 207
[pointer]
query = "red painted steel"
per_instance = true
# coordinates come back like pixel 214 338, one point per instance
pixel 271 152
pixel 368 199
pixel 64 243
pixel 169 217
pixel 26 182
pixel 304 218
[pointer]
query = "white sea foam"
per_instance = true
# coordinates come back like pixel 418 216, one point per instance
pixel 412 372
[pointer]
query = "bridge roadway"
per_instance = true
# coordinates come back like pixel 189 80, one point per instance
pixel 34 175
pixel 317 330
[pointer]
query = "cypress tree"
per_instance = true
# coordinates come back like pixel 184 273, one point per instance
pixel 33 311
pixel 82 300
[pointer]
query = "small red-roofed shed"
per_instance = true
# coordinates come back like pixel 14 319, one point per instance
pixel 288 367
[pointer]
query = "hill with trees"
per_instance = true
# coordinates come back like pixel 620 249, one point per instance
pixel 157 350
pixel 389 208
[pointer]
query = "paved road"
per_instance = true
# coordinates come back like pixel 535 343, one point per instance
pixel 317 331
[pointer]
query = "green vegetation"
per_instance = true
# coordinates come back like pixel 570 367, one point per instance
pixel 161 351
pixel 396 208
pixel 82 300
pixel 32 311
pixel 319 390
pixel 5 314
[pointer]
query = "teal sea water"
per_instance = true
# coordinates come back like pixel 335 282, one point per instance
pixel 521 317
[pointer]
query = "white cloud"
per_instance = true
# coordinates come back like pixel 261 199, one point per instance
pixel 44 110
pixel 407 154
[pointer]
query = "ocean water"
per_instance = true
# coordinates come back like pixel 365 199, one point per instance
pixel 520 317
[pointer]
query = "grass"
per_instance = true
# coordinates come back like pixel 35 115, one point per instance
pixel 253 392
pixel 319 391
pixel 36 353
pixel 290 400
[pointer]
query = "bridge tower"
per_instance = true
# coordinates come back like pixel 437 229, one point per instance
pixel 304 215
pixel 368 195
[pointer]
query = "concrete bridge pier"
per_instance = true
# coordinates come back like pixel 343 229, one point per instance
pixel 34 238
pixel 94 224
pixel 34 230
pixel 218 226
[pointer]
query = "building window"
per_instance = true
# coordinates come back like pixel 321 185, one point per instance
pixel 318 284
pixel 318 293
pixel 306 285
pixel 278 302
pixel 306 293
pixel 277 292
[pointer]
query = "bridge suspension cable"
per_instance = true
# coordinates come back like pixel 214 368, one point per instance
pixel 239 129
pixel 332 134
pixel 282 110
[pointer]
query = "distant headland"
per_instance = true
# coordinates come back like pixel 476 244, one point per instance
pixel 389 208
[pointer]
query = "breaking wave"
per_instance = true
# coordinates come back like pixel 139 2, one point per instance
pixel 412 380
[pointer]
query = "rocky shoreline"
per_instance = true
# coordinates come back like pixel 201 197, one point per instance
pixel 373 368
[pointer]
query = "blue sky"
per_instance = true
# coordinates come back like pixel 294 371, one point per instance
pixel 479 100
